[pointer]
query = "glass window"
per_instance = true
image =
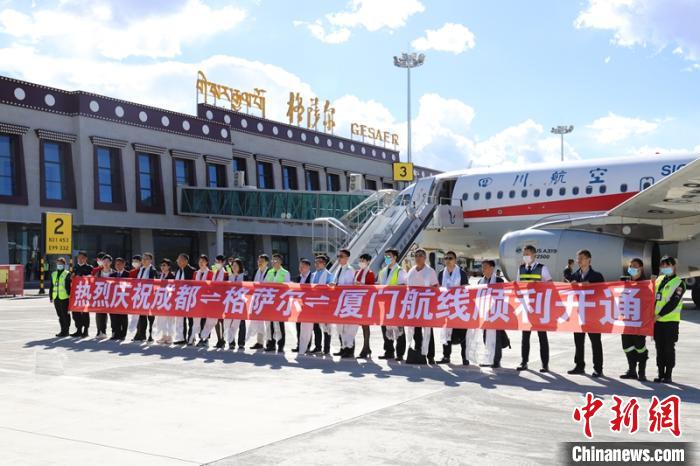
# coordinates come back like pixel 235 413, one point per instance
pixel 239 165
pixel 549 192
pixel 499 194
pixel 8 180
pixel 289 178
pixel 385 185
pixel 487 195
pixel 562 191
pixel 107 175
pixel 265 177
pixel 465 196
pixel 312 180
pixel 146 175
pixel 476 196
pixel 623 188
pixel 536 192
pixel 511 194
pixel 216 175
pixel 574 190
pixel 333 182
pixel 54 171
pixel 184 172
pixel 589 189
pixel 523 193
pixel 602 188
pixel 369 184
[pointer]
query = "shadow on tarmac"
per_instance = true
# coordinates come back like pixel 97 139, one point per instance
pixel 450 376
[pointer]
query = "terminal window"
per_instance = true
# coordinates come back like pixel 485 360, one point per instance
pixel 8 180
pixel 57 187
pixel 216 175
pixel 313 181
pixel 289 178
pixel 265 178
pixel 332 182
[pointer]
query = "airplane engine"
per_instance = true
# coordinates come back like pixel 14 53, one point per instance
pixel 611 254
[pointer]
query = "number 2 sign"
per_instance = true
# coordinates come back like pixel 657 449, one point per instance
pixel 58 231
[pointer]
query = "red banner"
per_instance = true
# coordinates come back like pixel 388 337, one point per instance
pixel 613 307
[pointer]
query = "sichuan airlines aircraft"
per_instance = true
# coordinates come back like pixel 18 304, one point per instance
pixel 617 208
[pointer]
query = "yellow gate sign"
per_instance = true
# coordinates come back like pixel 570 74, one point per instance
pixel 403 171
pixel 59 233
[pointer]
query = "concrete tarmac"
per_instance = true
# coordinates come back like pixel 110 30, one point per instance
pixel 73 402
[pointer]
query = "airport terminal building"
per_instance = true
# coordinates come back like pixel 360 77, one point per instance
pixel 138 178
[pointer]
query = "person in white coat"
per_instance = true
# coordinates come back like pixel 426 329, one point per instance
pixel 165 325
pixel 421 274
pixel 257 327
pixel 203 274
pixel 232 327
pixel 494 340
pixel 218 274
pixel 345 275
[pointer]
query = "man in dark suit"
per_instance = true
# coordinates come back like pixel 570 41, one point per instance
pixel 119 322
pixel 450 276
pixel 303 277
pixel 145 271
pixel 183 326
pixel 586 274
pixel 81 319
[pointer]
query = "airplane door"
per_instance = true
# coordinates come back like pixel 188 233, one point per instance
pixel 422 191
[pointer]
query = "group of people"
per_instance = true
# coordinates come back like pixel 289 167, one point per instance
pixel 415 344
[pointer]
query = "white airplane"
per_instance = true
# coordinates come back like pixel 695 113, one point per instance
pixel 617 208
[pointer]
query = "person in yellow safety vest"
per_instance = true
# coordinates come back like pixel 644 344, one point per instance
pixel 669 302
pixel 635 346
pixel 59 292
pixel 392 274
pixel 275 331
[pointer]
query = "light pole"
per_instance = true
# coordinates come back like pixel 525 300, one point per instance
pixel 408 61
pixel 562 130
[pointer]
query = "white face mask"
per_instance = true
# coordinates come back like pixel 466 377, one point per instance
pixel 528 259
pixel 60 266
pixel 136 264
pixel 99 262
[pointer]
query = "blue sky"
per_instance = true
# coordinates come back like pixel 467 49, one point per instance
pixel 497 77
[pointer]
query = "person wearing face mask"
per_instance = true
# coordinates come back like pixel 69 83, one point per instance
pixel 257 327
pixel 392 274
pixel 586 274
pixel 101 319
pixel 98 261
pixel 423 349
pixel 275 331
pixel 165 324
pixel 634 346
pixel 59 294
pixel 119 322
pixel 236 327
pixel 322 332
pixel 143 265
pixel 669 303
pixel 202 274
pixel 532 271
pixel 218 274
pixel 449 277
pixel 365 276
pixel 303 277
pixel 81 319
pixel 345 275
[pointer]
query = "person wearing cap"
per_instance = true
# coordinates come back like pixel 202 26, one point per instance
pixel 143 265
pixel 670 289
pixel 322 332
pixel 101 318
pixel 119 322
pixel 345 275
pixel 392 274
pixel 275 331
pixel 59 294
pixel 635 346
pixel 586 274
pixel 365 276
pixel 304 277
pixel 81 319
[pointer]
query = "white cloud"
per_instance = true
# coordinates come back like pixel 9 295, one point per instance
pixel 451 37
pixel 658 23
pixel 371 15
pixel 658 150
pixel 613 128
pixel 107 30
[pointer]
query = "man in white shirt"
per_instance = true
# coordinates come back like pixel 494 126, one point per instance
pixel 257 327
pixel 392 274
pixel 421 274
pixel 345 275
pixel 322 332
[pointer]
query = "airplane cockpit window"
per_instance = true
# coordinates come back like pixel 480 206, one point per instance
pixel 499 194
pixel 549 192
pixel 536 193
pixel 562 191
pixel 487 195
pixel 623 188
pixel 589 189
pixel 574 190
pixel 511 194
pixel 475 196
pixel 523 193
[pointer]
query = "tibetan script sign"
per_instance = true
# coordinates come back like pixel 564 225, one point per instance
pixel 235 97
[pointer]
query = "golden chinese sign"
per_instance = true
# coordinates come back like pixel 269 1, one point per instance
pixel 358 129
pixel 235 97
pixel 296 112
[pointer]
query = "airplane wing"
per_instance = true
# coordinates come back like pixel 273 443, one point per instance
pixel 669 210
